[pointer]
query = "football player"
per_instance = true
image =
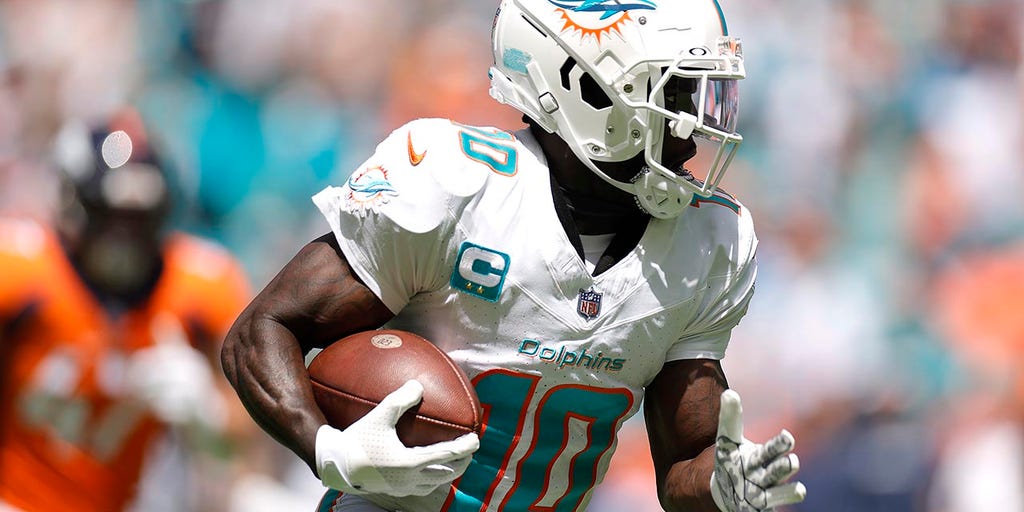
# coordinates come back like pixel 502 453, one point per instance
pixel 574 269
pixel 108 327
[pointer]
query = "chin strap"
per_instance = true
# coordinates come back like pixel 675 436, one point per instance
pixel 659 196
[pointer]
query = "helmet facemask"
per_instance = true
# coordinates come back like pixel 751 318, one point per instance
pixel 692 100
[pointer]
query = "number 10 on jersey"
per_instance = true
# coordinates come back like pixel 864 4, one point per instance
pixel 552 453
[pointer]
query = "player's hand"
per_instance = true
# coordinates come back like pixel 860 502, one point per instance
pixel 368 458
pixel 174 380
pixel 751 477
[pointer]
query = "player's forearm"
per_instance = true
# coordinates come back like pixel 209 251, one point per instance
pixel 265 364
pixel 687 486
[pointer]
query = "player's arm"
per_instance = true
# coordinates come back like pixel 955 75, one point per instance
pixel 701 459
pixel 314 300
pixel 681 410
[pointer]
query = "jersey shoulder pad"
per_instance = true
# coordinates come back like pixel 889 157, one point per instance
pixel 199 257
pixel 422 170
pixel 725 224
pixel 23 238
pixel 206 282
pixel 30 262
pixel 460 158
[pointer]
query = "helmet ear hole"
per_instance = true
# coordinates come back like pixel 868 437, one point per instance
pixel 566 68
pixel 592 94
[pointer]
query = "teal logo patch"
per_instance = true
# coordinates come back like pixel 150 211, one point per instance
pixel 480 271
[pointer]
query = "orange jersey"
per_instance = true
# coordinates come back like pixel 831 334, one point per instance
pixel 70 436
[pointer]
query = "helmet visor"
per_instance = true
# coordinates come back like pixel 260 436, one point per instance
pixel 720 99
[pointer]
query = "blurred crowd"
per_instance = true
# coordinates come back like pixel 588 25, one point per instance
pixel 883 160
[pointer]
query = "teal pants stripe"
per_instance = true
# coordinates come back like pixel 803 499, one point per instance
pixel 327 502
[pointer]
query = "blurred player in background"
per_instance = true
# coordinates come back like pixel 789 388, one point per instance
pixel 107 327
pixel 574 269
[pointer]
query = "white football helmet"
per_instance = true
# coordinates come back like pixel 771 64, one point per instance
pixel 603 75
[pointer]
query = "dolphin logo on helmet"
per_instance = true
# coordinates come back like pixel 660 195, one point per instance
pixel 608 8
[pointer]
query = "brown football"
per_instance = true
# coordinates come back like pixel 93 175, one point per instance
pixel 354 374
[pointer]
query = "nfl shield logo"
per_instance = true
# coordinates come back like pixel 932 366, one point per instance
pixel 589 304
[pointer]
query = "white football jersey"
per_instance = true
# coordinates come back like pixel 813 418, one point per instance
pixel 454 228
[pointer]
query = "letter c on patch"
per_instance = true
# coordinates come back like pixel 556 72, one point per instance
pixel 482 267
pixel 480 271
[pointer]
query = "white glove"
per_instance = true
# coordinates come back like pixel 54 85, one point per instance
pixel 368 458
pixel 175 380
pixel 749 477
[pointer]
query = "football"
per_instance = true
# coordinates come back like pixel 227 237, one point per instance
pixel 351 376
